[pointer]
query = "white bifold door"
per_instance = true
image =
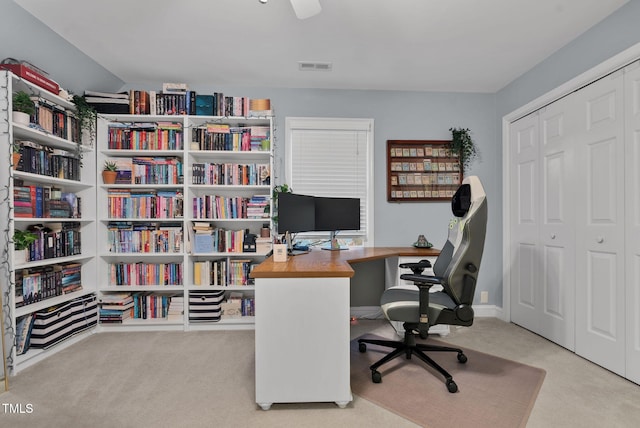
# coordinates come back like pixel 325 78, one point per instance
pixel 542 229
pixel 574 207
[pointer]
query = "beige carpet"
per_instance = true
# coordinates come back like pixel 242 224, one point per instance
pixel 492 391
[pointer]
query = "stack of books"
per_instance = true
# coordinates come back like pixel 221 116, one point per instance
pixel 115 308
pixel 108 103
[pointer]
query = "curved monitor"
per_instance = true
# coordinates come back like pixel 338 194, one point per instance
pixel 296 213
pixel 333 214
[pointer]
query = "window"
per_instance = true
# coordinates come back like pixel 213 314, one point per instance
pixel 333 157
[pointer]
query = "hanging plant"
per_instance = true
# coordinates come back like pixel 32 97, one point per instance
pixel 87 121
pixel 463 146
pixel 282 188
pixel 87 116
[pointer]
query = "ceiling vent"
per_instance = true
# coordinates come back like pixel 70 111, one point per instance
pixel 314 66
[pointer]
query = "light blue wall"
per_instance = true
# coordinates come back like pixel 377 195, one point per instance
pixel 397 115
pixel 23 37
pixel 611 36
pixel 606 39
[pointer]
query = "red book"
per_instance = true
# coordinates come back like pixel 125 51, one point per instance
pixel 32 76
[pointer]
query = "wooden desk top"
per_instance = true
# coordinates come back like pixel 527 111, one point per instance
pixel 323 263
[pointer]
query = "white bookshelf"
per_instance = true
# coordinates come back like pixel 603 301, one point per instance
pixel 84 188
pixel 187 256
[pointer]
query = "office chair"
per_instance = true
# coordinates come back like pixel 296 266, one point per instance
pixel 455 269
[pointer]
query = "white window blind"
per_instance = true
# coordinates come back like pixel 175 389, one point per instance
pixel 334 158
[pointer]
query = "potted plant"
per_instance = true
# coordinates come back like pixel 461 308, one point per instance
pixel 462 145
pixel 21 241
pixel 109 172
pixel 23 107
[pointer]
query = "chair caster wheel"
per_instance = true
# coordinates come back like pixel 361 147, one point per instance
pixel 462 358
pixel 362 347
pixel 452 386
pixel 376 377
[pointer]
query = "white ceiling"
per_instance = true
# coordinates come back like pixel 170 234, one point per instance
pixel 417 45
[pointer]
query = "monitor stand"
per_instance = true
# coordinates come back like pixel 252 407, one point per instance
pixel 333 243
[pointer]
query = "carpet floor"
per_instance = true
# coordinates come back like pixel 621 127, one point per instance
pixel 492 391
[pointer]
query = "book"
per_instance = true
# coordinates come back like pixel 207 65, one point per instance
pixel 101 95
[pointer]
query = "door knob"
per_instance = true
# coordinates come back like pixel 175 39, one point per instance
pixel 553 236
pixel 599 239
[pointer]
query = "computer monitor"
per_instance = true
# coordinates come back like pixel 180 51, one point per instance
pixel 336 214
pixel 296 213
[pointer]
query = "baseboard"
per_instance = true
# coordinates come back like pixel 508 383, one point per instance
pixel 366 312
pixel 375 312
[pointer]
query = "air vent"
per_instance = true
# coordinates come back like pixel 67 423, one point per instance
pixel 314 66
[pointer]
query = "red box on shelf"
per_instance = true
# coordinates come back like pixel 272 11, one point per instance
pixel 32 76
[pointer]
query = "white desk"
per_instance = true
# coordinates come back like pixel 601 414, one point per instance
pixel 302 325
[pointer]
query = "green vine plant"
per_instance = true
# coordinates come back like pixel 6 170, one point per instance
pixel 463 146
pixel 87 116
pixel 281 188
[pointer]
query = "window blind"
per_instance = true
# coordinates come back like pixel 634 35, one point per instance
pixel 333 157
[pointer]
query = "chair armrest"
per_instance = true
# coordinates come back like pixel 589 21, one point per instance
pixel 422 279
pixel 424 283
pixel 418 267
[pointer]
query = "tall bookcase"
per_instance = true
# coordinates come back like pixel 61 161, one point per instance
pixel 200 184
pixel 51 192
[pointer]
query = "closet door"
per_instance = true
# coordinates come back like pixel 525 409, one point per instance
pixel 525 219
pixel 600 307
pixel 556 290
pixel 542 248
pixel 632 223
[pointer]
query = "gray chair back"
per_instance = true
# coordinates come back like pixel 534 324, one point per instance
pixel 459 260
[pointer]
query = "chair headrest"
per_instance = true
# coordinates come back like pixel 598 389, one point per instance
pixel 461 201
pixel 469 193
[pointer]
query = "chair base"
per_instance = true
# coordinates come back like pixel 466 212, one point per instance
pixel 409 347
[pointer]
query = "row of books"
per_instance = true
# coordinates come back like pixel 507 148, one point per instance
pixel 425 165
pixel 42 160
pixel 38 201
pixel 230 174
pixel 44 282
pixel 174 102
pixel 146 136
pixel 142 273
pixel 55 240
pixel 230 207
pixel 55 120
pixel 145 204
pixel 419 179
pixel 231 138
pixel 118 307
pixel 426 150
pixel 151 170
pixel 423 193
pixel 218 241
pixel 127 237
pixel 210 272
pixel 187 102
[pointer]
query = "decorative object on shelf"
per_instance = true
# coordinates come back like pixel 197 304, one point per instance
pixel 462 145
pixel 109 172
pixel 16 155
pixel 422 242
pixel 23 108
pixel 21 241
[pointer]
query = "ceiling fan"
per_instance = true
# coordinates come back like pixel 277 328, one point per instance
pixel 303 8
